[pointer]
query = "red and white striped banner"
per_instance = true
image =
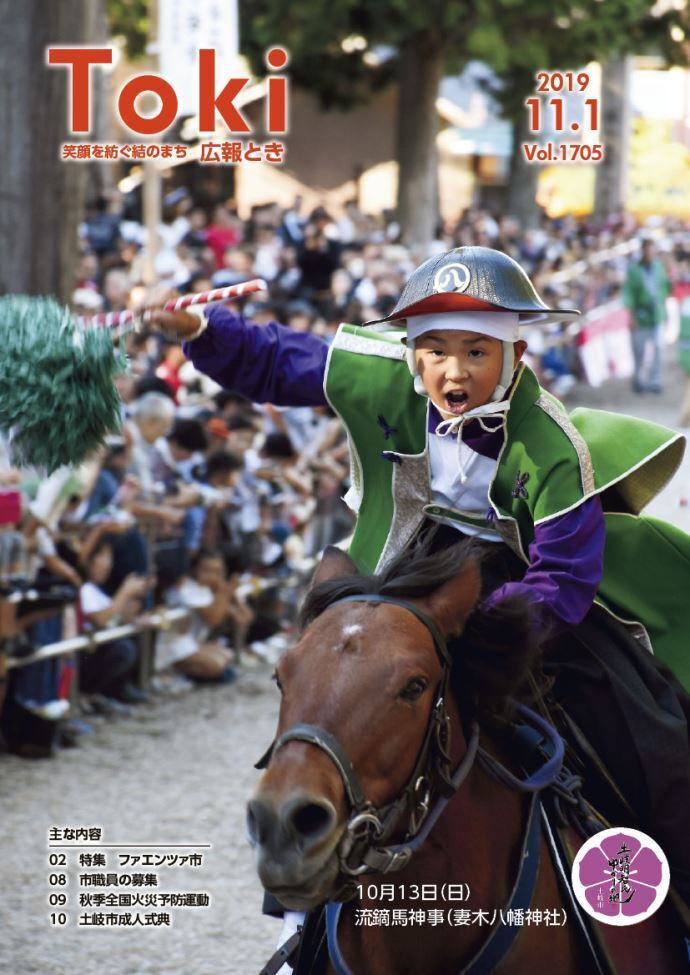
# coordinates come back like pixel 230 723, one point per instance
pixel 604 343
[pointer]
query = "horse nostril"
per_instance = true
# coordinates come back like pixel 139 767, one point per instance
pixel 259 820
pixel 310 820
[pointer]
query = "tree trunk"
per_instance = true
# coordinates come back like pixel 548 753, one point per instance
pixel 611 177
pixel 522 186
pixel 421 65
pixel 41 197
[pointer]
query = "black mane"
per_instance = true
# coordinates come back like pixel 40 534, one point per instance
pixel 498 650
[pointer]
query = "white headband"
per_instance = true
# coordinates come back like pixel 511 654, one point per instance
pixel 503 325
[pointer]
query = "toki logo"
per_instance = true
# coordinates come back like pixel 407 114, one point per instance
pixel 452 277
pixel 79 60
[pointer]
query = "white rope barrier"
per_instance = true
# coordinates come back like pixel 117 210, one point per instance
pixel 89 641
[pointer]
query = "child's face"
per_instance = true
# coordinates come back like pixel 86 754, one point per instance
pixel 210 572
pixel 460 370
pixel 100 565
pixel 242 440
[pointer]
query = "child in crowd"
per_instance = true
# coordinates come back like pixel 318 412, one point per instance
pixel 111 669
pixel 448 426
pixel 200 652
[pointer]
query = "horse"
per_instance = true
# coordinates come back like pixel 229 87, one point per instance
pixel 377 792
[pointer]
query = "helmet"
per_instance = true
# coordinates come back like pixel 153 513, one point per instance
pixel 473 279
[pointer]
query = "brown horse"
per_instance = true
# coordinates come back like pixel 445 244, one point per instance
pixel 371 732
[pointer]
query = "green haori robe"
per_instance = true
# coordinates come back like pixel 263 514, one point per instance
pixel 560 460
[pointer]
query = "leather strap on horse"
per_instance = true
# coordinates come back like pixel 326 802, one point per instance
pixel 502 936
pixel 282 954
pixel 586 926
pixel 436 635
pixel 544 776
pixel 379 860
pixel 328 743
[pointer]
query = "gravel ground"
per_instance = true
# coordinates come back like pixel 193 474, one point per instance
pixel 177 772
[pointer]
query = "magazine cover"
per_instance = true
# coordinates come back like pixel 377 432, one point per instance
pixel 344 499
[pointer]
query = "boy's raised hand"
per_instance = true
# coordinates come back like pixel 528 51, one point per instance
pixel 176 325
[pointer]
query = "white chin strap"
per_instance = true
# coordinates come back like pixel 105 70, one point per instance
pixel 454 425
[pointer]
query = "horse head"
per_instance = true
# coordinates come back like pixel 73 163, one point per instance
pixel 363 721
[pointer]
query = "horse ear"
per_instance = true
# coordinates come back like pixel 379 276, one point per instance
pixel 452 603
pixel 334 564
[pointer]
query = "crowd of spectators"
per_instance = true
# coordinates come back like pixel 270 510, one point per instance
pixel 204 500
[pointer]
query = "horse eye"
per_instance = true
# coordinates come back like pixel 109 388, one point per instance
pixel 274 677
pixel 414 689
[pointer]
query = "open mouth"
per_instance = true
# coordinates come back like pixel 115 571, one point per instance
pixel 456 401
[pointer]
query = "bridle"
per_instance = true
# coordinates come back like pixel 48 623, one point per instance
pixel 364 846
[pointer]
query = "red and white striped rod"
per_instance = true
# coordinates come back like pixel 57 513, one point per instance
pixel 122 319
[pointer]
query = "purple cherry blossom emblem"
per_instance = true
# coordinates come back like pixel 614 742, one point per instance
pixel 620 876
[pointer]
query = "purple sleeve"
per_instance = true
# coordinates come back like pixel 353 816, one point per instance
pixel 566 561
pixel 266 363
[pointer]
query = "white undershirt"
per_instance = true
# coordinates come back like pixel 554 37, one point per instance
pixel 93 599
pixel 448 491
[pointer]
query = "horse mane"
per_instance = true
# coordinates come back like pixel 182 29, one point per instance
pixel 498 651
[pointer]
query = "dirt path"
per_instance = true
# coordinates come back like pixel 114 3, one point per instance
pixel 180 771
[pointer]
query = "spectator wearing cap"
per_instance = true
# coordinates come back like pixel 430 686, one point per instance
pixel 196 236
pixel 175 224
pixel 86 301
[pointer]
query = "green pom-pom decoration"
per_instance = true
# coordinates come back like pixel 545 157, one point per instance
pixel 57 397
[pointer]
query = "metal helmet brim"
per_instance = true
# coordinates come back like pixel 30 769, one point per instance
pixel 473 279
